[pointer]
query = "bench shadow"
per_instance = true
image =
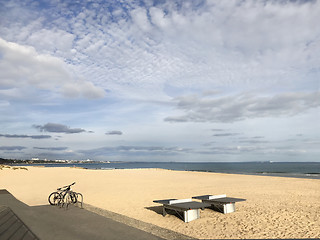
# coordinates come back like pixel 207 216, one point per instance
pixel 159 210
pixel 156 209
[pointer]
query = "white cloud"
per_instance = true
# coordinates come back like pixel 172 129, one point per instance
pixel 21 66
pixel 140 18
pixel 244 106
pixel 158 17
pixel 4 104
pixel 138 50
pixel 82 88
pixel 51 40
pixel 241 60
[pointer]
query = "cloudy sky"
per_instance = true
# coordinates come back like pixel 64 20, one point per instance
pixel 162 80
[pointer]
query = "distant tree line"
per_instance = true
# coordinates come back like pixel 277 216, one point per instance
pixel 19 161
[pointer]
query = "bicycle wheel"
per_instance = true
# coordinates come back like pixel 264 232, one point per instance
pixel 67 200
pixel 54 198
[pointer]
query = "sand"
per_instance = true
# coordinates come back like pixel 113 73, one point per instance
pixel 276 207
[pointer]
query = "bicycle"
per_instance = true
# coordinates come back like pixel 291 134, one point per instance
pixel 64 196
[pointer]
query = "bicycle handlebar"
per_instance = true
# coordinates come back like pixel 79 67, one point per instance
pixel 66 187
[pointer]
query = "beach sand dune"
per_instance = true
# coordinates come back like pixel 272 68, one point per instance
pixel 276 207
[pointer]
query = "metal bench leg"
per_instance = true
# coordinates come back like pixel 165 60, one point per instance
pixel 164 213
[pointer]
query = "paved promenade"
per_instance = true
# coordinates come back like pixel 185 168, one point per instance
pixel 52 223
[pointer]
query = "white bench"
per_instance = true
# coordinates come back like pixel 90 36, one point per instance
pixel 186 209
pixel 222 203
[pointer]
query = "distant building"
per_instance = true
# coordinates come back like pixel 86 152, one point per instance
pixel 61 160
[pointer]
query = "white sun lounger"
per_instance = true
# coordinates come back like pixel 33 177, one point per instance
pixel 222 203
pixel 186 209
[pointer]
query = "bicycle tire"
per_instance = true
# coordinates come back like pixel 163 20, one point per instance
pixel 54 198
pixel 67 200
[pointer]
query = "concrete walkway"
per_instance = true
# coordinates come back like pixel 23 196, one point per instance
pixel 52 223
pixel 11 226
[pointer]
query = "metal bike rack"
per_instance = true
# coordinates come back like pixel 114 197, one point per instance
pixel 65 193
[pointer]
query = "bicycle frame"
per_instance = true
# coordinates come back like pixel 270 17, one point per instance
pixel 65 196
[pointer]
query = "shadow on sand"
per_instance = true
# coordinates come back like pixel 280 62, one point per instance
pixel 156 209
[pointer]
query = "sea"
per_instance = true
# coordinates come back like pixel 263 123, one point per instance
pixel 309 170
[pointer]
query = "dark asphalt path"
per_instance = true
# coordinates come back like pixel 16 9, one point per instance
pixel 52 223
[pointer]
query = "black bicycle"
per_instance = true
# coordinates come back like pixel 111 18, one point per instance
pixel 64 196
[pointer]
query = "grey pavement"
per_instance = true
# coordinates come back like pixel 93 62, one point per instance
pixel 53 223
pixel 11 226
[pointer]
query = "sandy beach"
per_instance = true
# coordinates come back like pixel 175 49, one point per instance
pixel 276 207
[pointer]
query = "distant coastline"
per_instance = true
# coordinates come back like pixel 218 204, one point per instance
pixel 45 161
pixel 309 170
pixel 64 161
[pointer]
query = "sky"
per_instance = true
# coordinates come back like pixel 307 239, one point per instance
pixel 162 80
